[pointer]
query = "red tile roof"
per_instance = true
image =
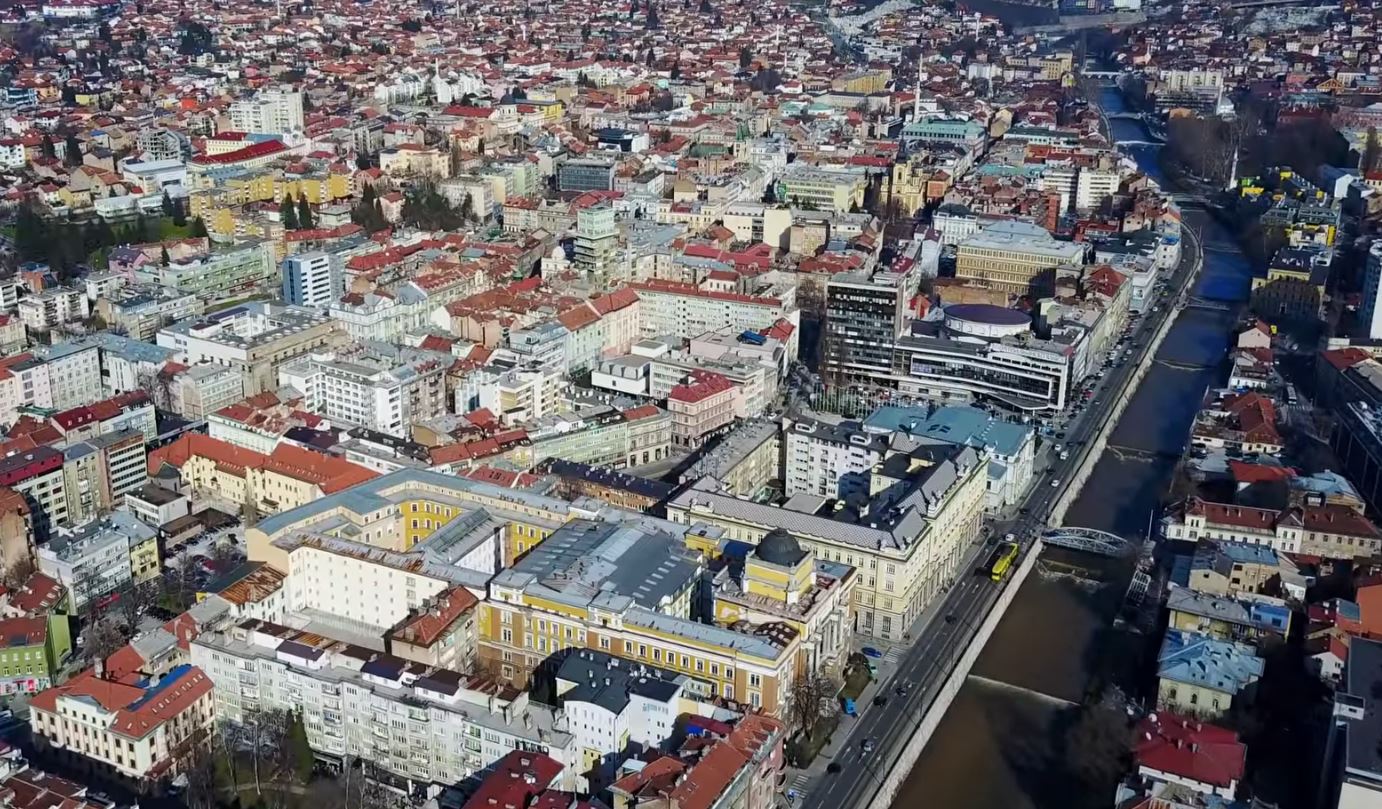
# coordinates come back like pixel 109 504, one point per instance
pixel 1179 746
pixel 69 420
pixel 1244 472
pixel 1344 358
pixel 519 777
pixel 226 455
pixel 704 384
pixel 709 778
pixel 38 595
pixel 427 626
pixel 254 150
pixel 328 472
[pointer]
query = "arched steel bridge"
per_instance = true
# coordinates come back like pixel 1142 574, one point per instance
pixel 1089 540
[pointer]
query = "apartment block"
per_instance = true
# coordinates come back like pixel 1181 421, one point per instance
pixel 37 476
pixel 99 471
pixel 312 280
pixel 864 316
pixel 673 308
pixel 419 723
pixel 197 392
pixel 100 558
pixel 701 407
pixel 270 112
pixel 52 308
pixel 140 311
pixel 71 374
pixel 830 457
pixel 367 389
pixel 35 648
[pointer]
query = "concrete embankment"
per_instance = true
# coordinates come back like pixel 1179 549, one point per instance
pixel 1096 445
pixel 907 759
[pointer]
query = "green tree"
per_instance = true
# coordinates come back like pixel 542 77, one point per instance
pixel 167 204
pixel 288 213
pixel 31 232
pixel 48 149
pixel 1372 151
pixel 652 22
pixel 299 749
pixel 745 57
pixel 198 228
pixel 425 208
pixel 304 213
pixel 467 208
pixel 72 154
pixel 163 256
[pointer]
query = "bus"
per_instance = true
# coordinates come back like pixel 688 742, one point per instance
pixel 1001 560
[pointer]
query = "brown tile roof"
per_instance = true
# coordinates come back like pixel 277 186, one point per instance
pixel 426 626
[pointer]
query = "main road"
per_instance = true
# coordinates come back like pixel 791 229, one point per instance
pixel 937 646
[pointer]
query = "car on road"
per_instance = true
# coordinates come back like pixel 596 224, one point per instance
pixel 833 767
pixel 1055 483
pixel 869 651
pixel 868 745
pixel 880 700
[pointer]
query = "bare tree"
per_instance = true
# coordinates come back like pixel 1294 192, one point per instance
pixel 135 600
pixel 199 766
pixel 19 571
pixel 225 555
pixel 1097 744
pixel 261 736
pixel 812 699
pixel 103 639
pixel 179 586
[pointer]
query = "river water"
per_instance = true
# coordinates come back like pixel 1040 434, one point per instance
pixel 1007 740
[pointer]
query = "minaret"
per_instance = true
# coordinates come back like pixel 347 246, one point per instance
pixel 916 101
pixel 1233 171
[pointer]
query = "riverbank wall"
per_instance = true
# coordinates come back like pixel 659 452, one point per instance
pixel 892 783
pixel 1094 449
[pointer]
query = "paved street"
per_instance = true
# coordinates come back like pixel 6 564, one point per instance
pixel 943 632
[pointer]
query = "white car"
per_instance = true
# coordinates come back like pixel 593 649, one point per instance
pixel 1055 483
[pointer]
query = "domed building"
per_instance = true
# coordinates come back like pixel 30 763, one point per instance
pixel 780 548
pixel 779 568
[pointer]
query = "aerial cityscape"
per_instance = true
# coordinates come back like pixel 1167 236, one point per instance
pixel 690 404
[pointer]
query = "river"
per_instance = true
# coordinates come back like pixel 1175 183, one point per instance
pixel 1007 740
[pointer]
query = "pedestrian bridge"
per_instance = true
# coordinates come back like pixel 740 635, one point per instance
pixel 1090 540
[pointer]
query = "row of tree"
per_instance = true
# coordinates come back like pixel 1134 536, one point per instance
pixel 295 216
